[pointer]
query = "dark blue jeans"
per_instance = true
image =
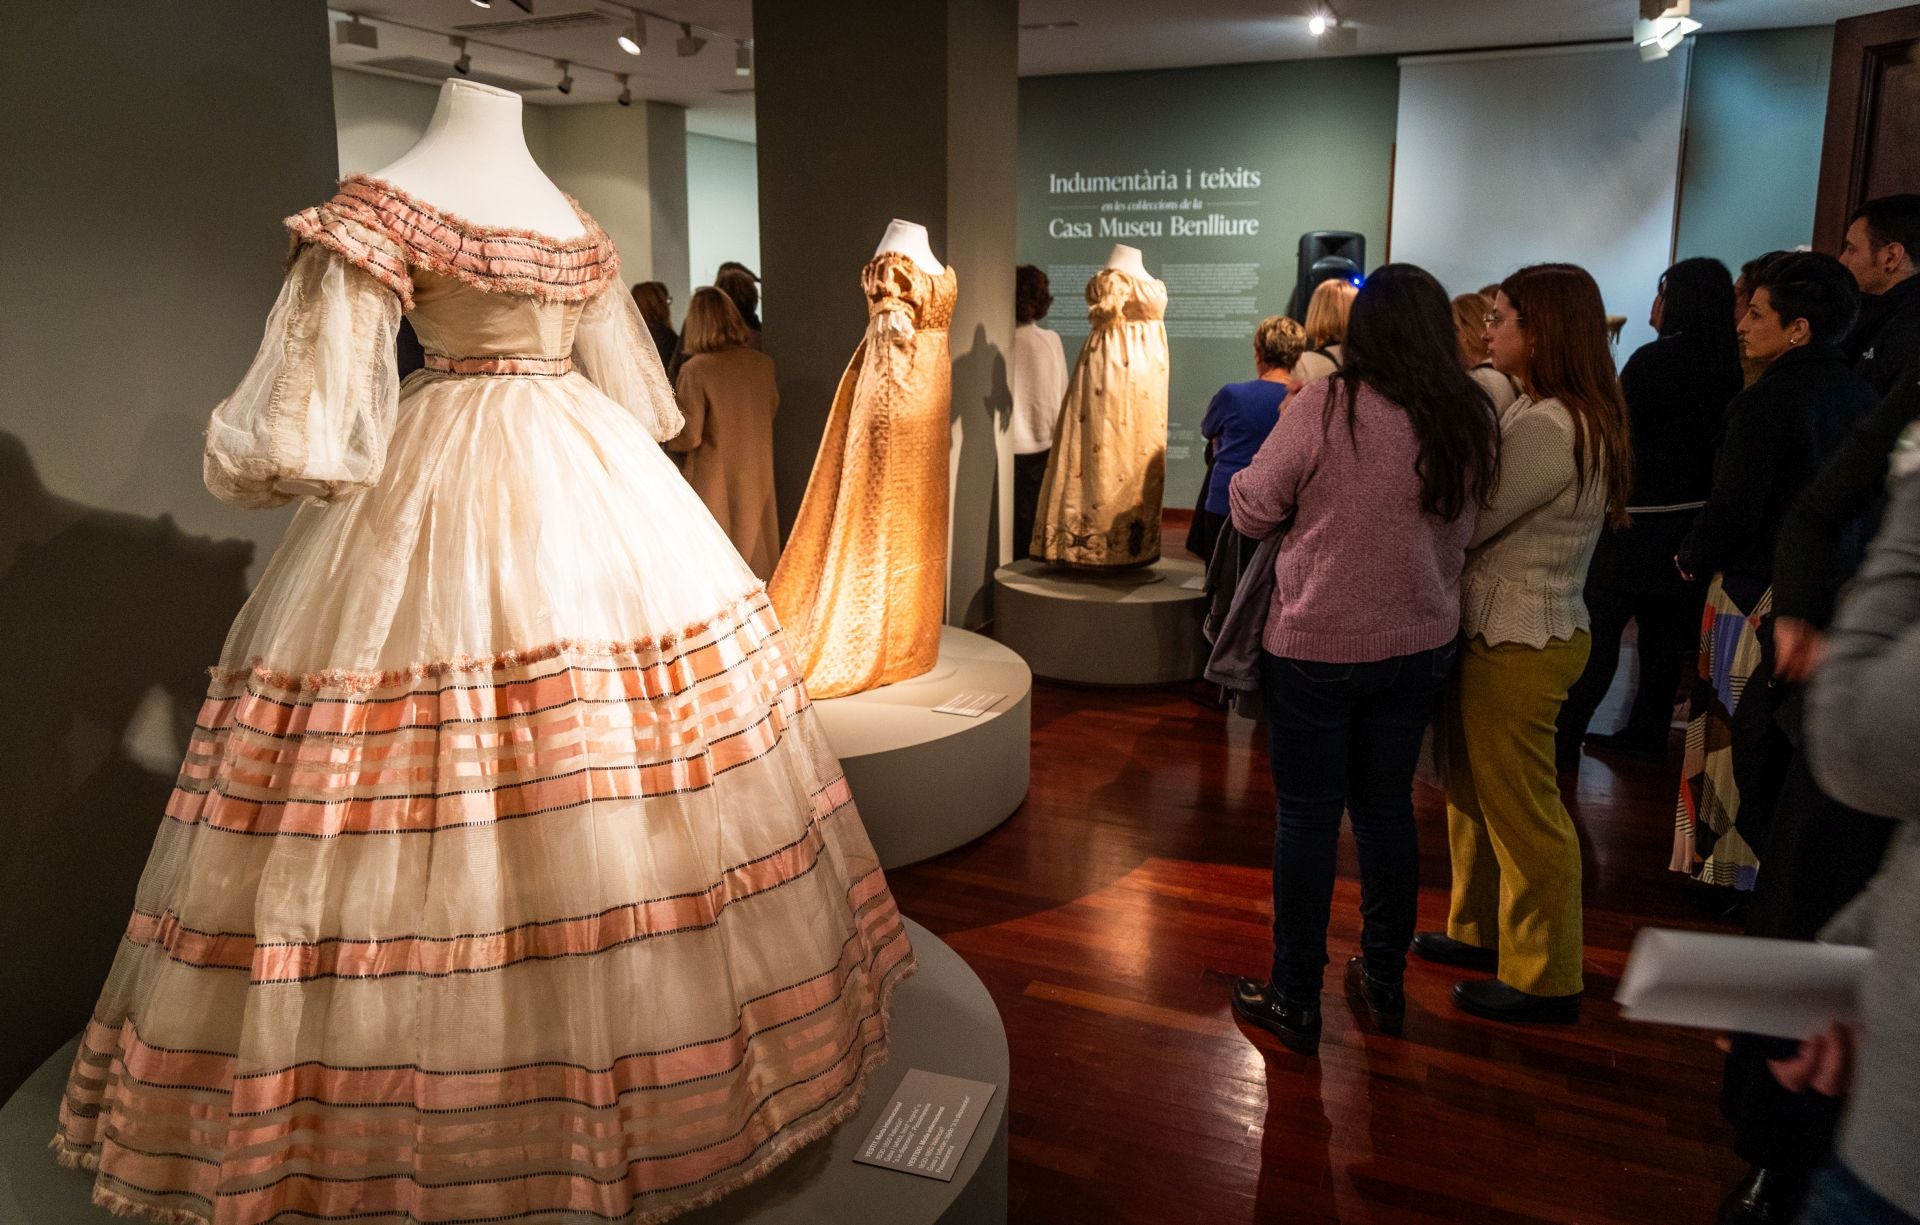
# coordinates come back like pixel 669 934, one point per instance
pixel 1838 1197
pixel 1346 737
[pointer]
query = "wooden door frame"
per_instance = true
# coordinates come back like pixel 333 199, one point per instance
pixel 1857 41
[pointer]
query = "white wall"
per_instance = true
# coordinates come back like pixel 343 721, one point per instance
pixel 723 205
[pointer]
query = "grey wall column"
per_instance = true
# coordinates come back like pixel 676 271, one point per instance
pixel 869 110
pixel 667 183
pixel 151 151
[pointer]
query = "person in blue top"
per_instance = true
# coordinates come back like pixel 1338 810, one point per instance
pixel 1240 417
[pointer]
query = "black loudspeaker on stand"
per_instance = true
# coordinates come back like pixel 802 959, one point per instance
pixel 1324 256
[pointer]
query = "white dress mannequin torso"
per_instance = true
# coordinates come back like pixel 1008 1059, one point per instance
pixel 473 162
pixel 910 239
pixel 1128 260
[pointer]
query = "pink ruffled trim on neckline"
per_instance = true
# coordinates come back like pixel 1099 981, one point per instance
pixel 494 259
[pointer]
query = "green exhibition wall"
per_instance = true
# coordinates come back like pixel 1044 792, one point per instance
pixel 1756 114
pixel 1213 173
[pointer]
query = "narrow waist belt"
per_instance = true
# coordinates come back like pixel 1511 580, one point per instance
pixel 505 363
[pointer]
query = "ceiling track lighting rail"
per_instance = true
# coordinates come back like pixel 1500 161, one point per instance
pixel 361 30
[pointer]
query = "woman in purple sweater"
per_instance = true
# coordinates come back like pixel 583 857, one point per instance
pixel 1376 475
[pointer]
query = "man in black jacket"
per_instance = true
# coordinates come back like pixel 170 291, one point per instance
pixel 1882 250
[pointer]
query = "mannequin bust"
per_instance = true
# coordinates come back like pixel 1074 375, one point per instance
pixel 910 239
pixel 474 162
pixel 1128 260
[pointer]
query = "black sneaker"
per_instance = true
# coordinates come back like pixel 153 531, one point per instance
pixel 1386 1004
pixel 1296 1025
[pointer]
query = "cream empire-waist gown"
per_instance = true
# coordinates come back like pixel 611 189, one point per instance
pixel 509 875
pixel 862 585
pixel 1100 502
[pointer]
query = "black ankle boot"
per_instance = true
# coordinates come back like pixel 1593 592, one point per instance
pixel 1764 1197
pixel 1296 1025
pixel 1386 1003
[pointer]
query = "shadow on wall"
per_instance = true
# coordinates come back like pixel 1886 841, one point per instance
pixel 107 624
pixel 979 372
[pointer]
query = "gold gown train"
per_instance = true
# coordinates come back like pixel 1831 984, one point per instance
pixel 1100 503
pixel 861 587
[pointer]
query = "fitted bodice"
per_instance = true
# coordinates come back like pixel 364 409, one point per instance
pixel 894 282
pixel 456 321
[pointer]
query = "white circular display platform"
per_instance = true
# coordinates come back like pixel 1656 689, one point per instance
pixel 925 782
pixel 943 1021
pixel 1104 627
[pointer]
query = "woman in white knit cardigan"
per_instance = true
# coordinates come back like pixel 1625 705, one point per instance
pixel 1564 469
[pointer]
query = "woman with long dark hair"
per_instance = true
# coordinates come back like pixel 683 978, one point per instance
pixel 1375 475
pixel 1565 470
pixel 1677 389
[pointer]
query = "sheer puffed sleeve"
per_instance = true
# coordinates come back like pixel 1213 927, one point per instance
pixel 314 412
pixel 612 347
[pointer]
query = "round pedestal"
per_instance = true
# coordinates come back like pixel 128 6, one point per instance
pixel 943 1021
pixel 1114 627
pixel 925 782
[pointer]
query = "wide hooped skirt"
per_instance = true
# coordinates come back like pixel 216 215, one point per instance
pixel 466 909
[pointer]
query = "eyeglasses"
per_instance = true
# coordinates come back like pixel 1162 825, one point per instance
pixel 1493 317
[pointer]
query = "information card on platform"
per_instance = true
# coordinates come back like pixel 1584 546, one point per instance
pixel 927 1125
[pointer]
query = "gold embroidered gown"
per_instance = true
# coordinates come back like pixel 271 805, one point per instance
pixel 509 875
pixel 1100 502
pixel 862 585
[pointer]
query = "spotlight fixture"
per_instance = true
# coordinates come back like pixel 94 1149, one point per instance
pixel 633 39
pixel 626 92
pixel 566 76
pixel 689 44
pixel 1662 26
pixel 464 64
pixel 1332 35
pixel 483 4
pixel 743 59
pixel 354 32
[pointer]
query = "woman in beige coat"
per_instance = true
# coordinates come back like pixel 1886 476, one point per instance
pixel 727 394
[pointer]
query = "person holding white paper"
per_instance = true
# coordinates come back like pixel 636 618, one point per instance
pixel 1863 722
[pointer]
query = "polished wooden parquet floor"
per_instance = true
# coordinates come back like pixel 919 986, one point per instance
pixel 1105 915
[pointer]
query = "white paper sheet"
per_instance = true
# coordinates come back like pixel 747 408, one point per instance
pixel 1781 988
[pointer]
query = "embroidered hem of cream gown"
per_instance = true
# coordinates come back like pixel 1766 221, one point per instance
pixel 509 874
pixel 862 585
pixel 1106 476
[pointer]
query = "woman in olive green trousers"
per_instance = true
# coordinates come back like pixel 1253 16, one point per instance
pixel 1564 469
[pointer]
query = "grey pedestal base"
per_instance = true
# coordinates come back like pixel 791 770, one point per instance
pixel 926 783
pixel 1120 627
pixel 943 1021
